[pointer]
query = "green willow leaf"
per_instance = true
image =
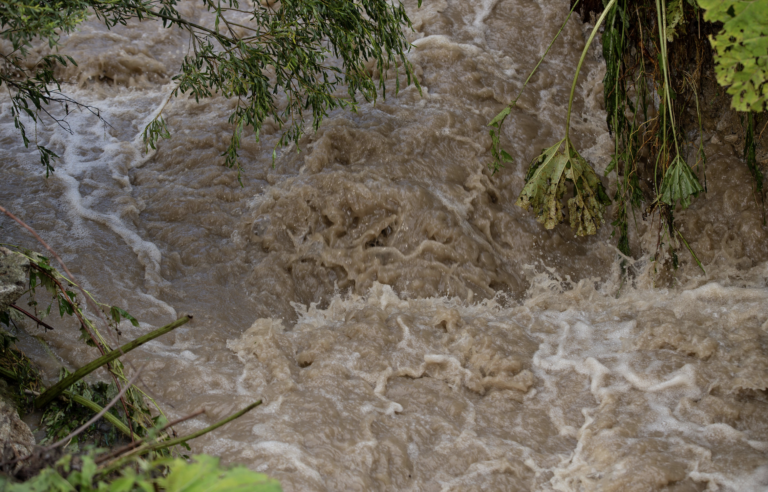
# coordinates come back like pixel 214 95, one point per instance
pixel 117 313
pixel 741 50
pixel 499 118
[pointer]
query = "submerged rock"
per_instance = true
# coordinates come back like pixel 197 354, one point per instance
pixel 14 268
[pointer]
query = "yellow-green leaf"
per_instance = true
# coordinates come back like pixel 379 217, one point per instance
pixel 741 50
pixel 545 186
pixel 675 18
pixel 203 474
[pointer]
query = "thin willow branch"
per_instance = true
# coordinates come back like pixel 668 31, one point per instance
pixel 32 317
pixel 173 442
pixel 581 62
pixel 129 447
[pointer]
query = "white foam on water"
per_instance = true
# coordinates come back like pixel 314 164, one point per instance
pixel 576 385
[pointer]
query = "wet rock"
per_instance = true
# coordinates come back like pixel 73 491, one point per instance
pixel 16 439
pixel 13 277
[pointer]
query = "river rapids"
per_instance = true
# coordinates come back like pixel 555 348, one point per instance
pixel 406 325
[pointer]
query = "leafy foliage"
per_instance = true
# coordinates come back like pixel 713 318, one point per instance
pixel 287 49
pixel 203 474
pixel 32 84
pixel 741 50
pixel 154 131
pixel 17 370
pixel 546 179
pixel 304 50
pixel 675 19
pixel 642 103
pixel 143 464
pixel 679 184
pixel 546 186
pixel 63 416
pixel 625 130
pixel 61 292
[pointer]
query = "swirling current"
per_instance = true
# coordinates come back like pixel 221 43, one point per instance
pixel 406 325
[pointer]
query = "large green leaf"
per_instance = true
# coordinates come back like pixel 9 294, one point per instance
pixel 203 474
pixel 546 185
pixel 741 50
pixel 679 184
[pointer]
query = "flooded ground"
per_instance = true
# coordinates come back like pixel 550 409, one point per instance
pixel 407 326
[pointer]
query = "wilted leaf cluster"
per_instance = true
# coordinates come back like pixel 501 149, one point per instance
pixel 546 186
pixel 654 72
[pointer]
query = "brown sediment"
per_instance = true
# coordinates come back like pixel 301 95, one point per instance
pixel 453 343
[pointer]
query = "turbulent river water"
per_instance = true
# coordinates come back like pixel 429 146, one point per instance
pixel 407 326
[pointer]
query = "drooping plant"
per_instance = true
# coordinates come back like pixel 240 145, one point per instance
pixel 281 60
pixel 500 156
pixel 549 172
pixel 645 102
pixel 679 183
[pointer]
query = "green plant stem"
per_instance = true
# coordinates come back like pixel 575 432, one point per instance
pixel 179 440
pixel 661 13
pixel 690 250
pixel 173 442
pixel 545 54
pixel 119 425
pixel 581 62
pixel 8 374
pixel 55 390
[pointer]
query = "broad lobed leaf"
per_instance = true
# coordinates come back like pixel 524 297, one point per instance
pixel 679 184
pixel 741 50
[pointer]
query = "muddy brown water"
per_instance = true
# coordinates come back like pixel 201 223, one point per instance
pixel 407 326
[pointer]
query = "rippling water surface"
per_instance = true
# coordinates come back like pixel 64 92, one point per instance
pixel 407 326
